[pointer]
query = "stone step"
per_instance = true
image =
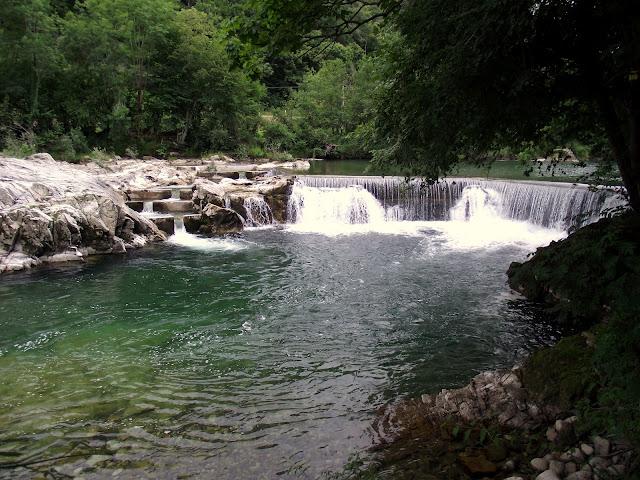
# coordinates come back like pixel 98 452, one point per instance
pixel 191 223
pixel 255 174
pixel 211 174
pixel 149 195
pixel 135 206
pixel 173 206
pixel 166 223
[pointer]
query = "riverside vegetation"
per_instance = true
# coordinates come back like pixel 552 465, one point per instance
pixel 419 86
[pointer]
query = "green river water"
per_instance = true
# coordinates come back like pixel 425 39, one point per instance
pixel 261 356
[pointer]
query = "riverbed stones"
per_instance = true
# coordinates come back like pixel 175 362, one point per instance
pixel 539 464
pixel 477 465
pixel 586 449
pixel 548 475
pixel 601 446
pixel 557 467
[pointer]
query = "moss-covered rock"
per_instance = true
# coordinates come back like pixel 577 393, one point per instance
pixel 561 375
pixel 587 275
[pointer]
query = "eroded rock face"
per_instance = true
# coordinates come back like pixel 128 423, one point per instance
pixel 236 194
pixel 52 212
pixel 214 220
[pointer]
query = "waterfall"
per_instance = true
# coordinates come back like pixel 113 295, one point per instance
pixel 546 204
pixel 344 206
pixel 476 203
pixel 258 211
pixel 147 207
pixel 178 226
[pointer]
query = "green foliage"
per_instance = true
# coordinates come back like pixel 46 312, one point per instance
pixel 562 374
pixel 604 256
pixel 332 110
pixel 592 277
pixel 146 75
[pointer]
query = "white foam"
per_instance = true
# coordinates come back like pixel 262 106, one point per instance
pixel 183 238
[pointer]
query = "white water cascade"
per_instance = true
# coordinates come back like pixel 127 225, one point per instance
pixel 147 208
pixel 258 212
pixel 476 203
pixel 317 207
pixel 546 204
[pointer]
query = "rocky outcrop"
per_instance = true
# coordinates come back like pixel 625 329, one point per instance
pixel 54 212
pixel 214 220
pixel 491 395
pixel 243 196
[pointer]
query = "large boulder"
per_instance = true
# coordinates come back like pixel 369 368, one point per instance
pixel 214 220
pixel 52 211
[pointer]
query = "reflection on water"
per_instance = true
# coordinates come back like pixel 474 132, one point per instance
pixel 263 355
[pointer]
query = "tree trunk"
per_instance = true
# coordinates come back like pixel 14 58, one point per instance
pixel 631 176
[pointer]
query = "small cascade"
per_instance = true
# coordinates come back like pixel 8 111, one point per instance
pixel 175 194
pixel 546 204
pixel 147 207
pixel 178 223
pixel 476 203
pixel 330 206
pixel 258 212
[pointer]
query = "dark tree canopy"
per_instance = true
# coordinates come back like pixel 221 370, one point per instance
pixel 472 76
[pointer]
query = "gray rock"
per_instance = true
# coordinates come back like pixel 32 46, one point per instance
pixel 50 210
pixel 586 449
pixel 570 467
pixel 557 467
pixel 599 463
pixel 577 455
pixel 539 464
pixel 581 475
pixel 552 434
pixel 547 475
pixel 601 446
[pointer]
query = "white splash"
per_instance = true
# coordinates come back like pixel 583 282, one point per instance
pixel 476 220
pixel 258 211
pixel 333 210
pixel 183 238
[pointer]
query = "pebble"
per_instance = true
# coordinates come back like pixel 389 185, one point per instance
pixel 565 457
pixel 547 475
pixel 514 478
pixel 599 463
pixel 586 449
pixel 577 455
pixel 582 475
pixel 602 446
pixel 552 434
pixel 570 468
pixel 539 464
pixel 557 467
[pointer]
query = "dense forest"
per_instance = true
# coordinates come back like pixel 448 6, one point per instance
pixel 156 76
pixel 274 79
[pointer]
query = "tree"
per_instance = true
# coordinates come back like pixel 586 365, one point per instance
pixel 471 76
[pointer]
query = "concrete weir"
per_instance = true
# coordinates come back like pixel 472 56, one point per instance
pixel 166 223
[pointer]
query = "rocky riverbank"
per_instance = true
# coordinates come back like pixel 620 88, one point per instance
pixel 570 411
pixel 57 212
pixel 494 427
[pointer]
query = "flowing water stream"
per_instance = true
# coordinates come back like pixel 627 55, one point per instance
pixel 267 354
